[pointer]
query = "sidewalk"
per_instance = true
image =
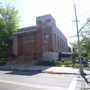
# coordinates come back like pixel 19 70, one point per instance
pixel 54 70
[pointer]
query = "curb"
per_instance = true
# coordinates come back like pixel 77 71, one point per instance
pixel 42 71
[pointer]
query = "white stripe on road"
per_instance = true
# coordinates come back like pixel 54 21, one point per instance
pixel 73 84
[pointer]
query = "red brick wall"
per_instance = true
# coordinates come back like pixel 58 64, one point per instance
pixel 39 37
pixel 37 44
pixel 59 33
pixel 49 32
pixel 22 44
pixel 51 29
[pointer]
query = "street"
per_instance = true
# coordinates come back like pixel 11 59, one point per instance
pixel 14 80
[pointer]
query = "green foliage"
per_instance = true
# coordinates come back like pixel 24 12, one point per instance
pixel 50 63
pixel 60 63
pixel 74 44
pixel 68 63
pixel 12 55
pixel 9 22
pixel 36 54
pixel 3 62
pixel 77 65
pixel 85 63
pixel 10 17
pixel 57 63
pixel 85 34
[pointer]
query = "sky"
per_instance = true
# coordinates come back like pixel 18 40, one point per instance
pixel 61 10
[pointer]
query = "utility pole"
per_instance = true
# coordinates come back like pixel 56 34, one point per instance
pixel 79 48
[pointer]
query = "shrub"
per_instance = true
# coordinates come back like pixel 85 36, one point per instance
pixel 12 55
pixel 57 63
pixel 68 63
pixel 36 54
pixel 77 65
pixel 85 63
pixel 49 63
pixel 62 60
pixel 3 62
pixel 60 63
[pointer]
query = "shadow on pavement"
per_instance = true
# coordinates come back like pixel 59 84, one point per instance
pixel 88 69
pixel 86 79
pixel 23 73
pixel 34 70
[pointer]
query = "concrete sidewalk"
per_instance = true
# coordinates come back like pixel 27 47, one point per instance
pixel 57 70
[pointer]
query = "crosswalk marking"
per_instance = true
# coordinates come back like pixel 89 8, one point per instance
pixel 73 84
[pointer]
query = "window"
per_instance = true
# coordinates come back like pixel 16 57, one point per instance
pixel 60 44
pixel 44 30
pixel 28 38
pixel 45 40
pixel 45 46
pixel 63 46
pixel 55 40
pixel 32 38
pixel 44 37
pixel 58 41
pixel 44 24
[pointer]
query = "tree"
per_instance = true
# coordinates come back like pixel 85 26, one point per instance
pixel 9 22
pixel 74 46
pixel 85 34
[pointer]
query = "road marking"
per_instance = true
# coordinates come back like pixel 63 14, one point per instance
pixel 73 84
pixel 32 85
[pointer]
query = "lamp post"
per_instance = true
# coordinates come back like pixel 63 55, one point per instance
pixel 79 49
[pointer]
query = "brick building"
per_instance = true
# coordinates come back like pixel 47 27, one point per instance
pixel 44 38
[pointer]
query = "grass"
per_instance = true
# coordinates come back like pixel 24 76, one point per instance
pixel 47 71
pixel 84 85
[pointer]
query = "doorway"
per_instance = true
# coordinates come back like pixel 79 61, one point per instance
pixel 28 50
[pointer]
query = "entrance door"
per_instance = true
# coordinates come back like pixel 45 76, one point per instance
pixel 28 50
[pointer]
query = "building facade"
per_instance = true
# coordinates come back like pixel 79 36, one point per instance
pixel 44 38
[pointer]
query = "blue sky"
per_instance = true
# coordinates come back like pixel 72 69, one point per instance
pixel 61 10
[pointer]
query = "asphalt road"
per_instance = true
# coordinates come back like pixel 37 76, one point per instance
pixel 12 80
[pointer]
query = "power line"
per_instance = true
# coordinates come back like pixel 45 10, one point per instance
pixel 84 18
pixel 84 14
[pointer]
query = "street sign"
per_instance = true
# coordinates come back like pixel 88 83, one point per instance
pixel 73 36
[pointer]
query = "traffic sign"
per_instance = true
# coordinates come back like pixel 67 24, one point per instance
pixel 73 36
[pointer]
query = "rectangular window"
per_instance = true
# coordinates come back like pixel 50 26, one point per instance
pixel 44 24
pixel 58 41
pixel 31 38
pixel 44 30
pixel 28 38
pixel 55 41
pixel 45 46
pixel 61 44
